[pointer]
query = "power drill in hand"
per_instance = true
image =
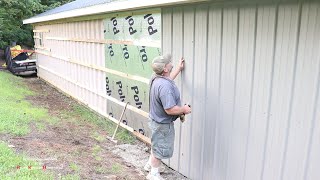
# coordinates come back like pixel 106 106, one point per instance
pixel 182 116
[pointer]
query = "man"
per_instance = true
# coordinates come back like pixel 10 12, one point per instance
pixel 165 108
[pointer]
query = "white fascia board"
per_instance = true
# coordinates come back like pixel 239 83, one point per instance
pixel 109 7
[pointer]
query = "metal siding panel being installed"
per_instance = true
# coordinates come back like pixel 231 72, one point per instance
pixel 187 86
pixel 213 90
pixel 243 88
pixel 285 53
pixel 166 45
pixel 249 91
pixel 305 92
pixel 177 46
pixel 200 87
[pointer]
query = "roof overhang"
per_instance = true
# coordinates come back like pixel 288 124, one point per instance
pixel 110 7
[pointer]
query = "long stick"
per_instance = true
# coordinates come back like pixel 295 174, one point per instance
pixel 115 131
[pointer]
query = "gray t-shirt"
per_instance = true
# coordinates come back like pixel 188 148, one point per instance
pixel 164 94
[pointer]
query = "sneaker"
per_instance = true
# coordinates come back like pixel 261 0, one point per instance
pixel 154 176
pixel 147 168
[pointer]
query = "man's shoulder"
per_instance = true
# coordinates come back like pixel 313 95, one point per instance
pixel 163 83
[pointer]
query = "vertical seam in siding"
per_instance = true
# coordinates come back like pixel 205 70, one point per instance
pixel 219 88
pixel 161 31
pixel 206 98
pixel 230 139
pixel 251 89
pixel 182 77
pixel 306 168
pixel 283 162
pixel 266 138
pixel 171 13
pixel 193 57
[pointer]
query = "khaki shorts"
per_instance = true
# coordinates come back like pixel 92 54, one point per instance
pixel 162 139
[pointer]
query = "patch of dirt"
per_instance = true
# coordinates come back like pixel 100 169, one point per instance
pixel 48 97
pixel 68 147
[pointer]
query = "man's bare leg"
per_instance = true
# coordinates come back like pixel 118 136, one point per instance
pixel 155 163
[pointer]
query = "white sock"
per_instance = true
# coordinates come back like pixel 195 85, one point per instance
pixel 154 171
pixel 149 161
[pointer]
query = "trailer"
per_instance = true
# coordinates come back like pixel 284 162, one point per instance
pixel 20 60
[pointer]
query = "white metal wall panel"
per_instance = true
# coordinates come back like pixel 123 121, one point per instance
pixel 187 87
pixel 304 94
pixel 177 45
pixel 245 63
pixel 66 75
pixel 227 89
pixel 200 88
pixel 313 158
pixel 261 91
pixel 213 90
pixel 284 64
pixel 167 41
pixel 252 76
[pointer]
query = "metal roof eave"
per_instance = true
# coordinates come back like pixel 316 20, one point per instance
pixel 109 7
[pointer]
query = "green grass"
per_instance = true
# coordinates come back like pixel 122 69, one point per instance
pixel 98 137
pixel 116 168
pixel 95 151
pixel 9 162
pixel 101 170
pixel 87 115
pixel 16 113
pixel 74 167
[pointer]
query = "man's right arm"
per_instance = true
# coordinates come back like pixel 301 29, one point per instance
pixel 178 110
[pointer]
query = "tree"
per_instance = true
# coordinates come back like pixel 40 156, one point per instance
pixel 13 12
pixel 50 4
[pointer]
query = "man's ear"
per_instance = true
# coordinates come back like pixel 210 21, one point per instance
pixel 165 70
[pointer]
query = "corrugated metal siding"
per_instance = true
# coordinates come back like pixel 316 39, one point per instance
pixel 85 84
pixel 252 77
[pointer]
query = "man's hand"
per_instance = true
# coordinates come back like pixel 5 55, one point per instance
pixel 186 109
pixel 181 64
pixel 180 67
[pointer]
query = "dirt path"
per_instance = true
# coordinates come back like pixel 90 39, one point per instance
pixel 74 146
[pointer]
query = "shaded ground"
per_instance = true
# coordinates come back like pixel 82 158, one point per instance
pixel 74 145
pixel 2 61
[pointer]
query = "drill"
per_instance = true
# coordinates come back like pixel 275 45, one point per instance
pixel 182 116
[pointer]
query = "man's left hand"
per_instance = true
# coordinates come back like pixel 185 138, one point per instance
pixel 181 64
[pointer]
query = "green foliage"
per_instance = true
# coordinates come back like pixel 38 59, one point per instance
pixel 13 12
pixel 50 4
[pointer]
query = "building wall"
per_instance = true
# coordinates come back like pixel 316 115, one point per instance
pixel 103 63
pixel 252 77
pixel 56 53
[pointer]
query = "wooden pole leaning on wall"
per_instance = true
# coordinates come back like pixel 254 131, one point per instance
pixel 128 128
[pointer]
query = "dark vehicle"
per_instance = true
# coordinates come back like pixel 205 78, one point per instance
pixel 23 60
